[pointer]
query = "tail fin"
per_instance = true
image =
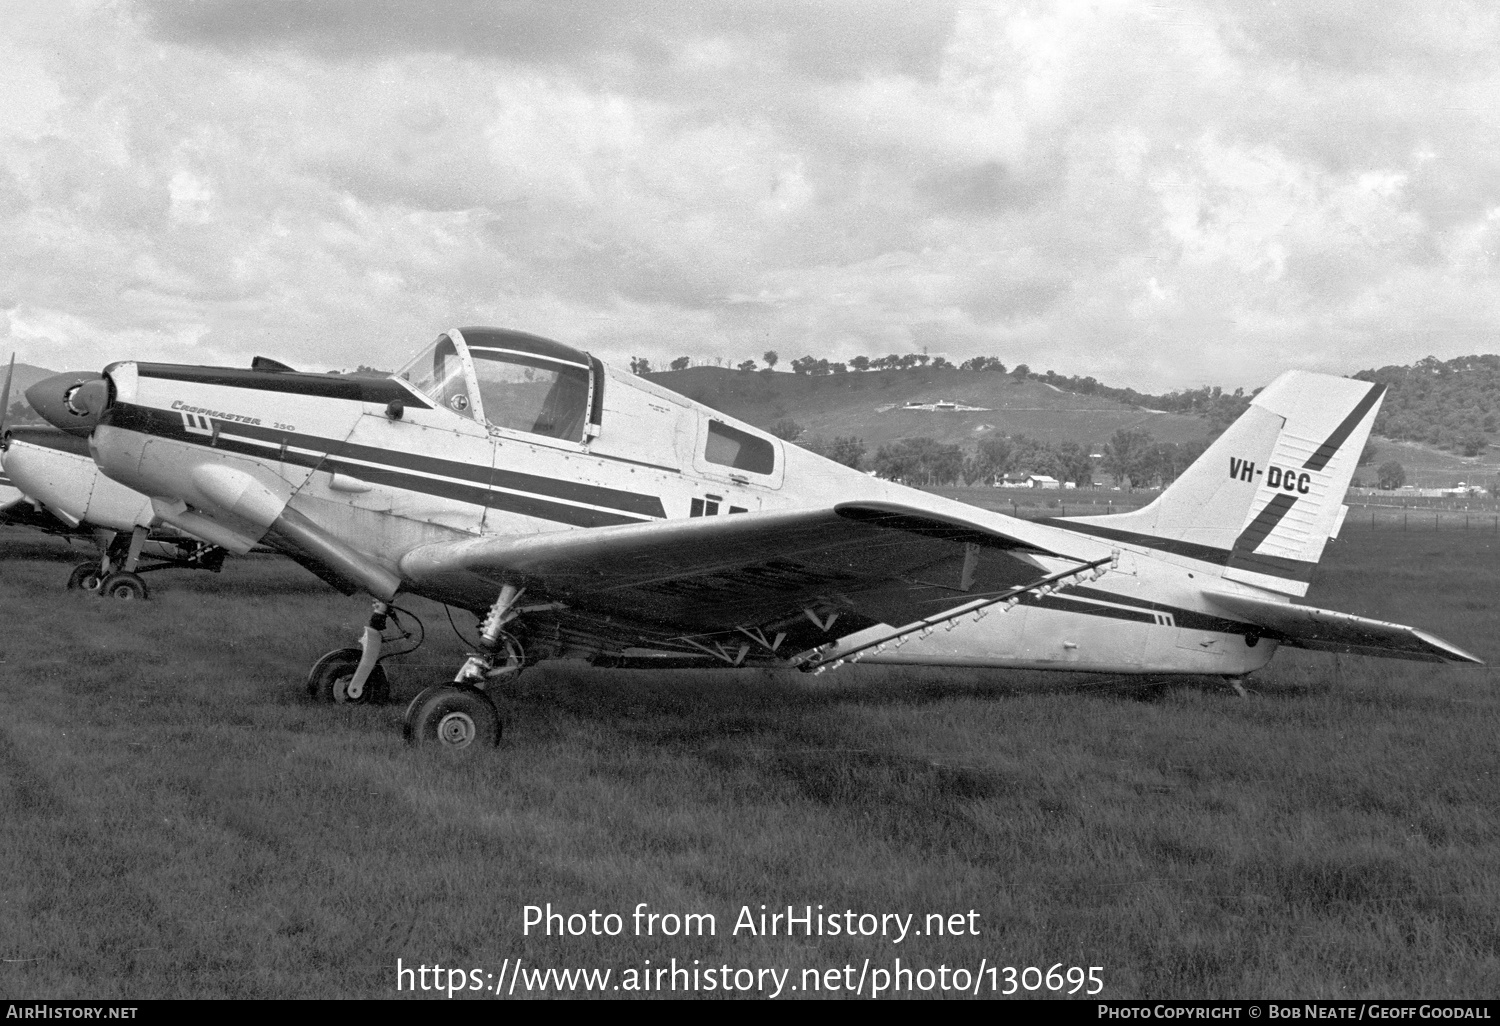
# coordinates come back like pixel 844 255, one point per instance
pixel 1267 495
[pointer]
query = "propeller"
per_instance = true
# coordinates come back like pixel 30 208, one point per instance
pixel 5 400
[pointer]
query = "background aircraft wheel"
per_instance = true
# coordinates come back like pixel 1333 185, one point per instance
pixel 124 585
pixel 455 717
pixel 85 576
pixel 330 676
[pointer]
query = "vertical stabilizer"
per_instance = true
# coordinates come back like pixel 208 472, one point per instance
pixel 1266 496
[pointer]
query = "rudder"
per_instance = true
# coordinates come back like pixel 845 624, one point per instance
pixel 1266 496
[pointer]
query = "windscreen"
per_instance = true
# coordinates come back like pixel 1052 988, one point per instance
pixel 437 372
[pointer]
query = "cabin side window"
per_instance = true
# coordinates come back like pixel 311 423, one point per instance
pixel 740 450
pixel 535 394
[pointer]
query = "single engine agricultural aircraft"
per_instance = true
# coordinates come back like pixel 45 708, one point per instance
pixel 56 487
pixel 585 512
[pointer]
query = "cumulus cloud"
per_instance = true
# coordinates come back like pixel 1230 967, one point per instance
pixel 1158 196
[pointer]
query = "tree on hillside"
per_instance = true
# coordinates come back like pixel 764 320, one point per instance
pixel 992 458
pixel 770 357
pixel 1033 456
pixel 919 461
pixel 860 363
pixel 682 363
pixel 941 363
pixel 747 366
pixel 1127 454
pixel 1391 475
pixel 640 365
pixel 1077 466
pixel 1022 371
pixel 848 451
pixel 787 429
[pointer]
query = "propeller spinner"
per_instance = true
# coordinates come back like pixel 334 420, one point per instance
pixel 72 401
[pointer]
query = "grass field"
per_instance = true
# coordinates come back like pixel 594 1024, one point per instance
pixel 179 821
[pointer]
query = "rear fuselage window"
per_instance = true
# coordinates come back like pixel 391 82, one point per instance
pixel 731 447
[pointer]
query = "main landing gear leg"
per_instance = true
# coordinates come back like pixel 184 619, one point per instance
pixel 461 715
pixel 354 675
pixel 125 583
pixel 89 574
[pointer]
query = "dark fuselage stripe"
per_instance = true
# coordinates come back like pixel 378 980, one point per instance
pixel 1183 619
pixel 166 425
pixel 572 491
pixel 1191 619
pixel 1192 550
pixel 1272 566
pixel 324 386
pixel 51 438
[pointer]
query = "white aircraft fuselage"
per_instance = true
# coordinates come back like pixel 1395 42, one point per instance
pixel 494 438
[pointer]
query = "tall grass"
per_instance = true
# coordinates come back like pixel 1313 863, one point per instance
pixel 179 821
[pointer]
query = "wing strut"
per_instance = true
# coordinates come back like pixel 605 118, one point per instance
pixel 832 656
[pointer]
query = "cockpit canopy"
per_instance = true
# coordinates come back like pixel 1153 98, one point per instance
pixel 512 380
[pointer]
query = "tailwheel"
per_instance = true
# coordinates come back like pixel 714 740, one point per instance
pixel 329 679
pixel 124 585
pixel 86 576
pixel 456 717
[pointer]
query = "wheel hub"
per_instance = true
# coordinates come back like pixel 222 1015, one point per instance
pixel 457 730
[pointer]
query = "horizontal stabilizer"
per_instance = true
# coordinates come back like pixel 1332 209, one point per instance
pixel 1327 631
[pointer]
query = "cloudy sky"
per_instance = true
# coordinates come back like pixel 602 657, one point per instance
pixel 1159 194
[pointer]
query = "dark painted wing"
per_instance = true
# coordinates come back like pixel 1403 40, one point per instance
pixel 776 571
pixel 1328 631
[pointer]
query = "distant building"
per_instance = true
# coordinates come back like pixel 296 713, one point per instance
pixel 1042 481
pixel 942 406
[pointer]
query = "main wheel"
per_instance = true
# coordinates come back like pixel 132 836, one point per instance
pixel 85 576
pixel 330 676
pixel 125 586
pixel 455 717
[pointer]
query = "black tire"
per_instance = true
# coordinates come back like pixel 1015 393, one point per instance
pixel 85 576
pixel 125 586
pixel 329 679
pixel 453 717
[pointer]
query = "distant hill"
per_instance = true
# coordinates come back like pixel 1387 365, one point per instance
pixel 869 405
pixel 1454 405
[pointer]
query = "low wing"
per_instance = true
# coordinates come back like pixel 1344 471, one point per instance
pixel 808 576
pixel 1328 631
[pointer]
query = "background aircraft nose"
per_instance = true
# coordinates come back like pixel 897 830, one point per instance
pixel 71 401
